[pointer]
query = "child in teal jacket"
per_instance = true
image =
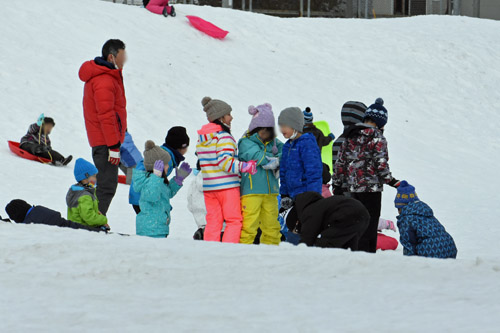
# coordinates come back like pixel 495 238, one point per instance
pixel 156 191
pixel 259 192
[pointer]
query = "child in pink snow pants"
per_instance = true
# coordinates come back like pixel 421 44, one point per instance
pixel 217 151
pixel 160 7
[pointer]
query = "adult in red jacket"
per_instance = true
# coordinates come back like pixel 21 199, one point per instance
pixel 105 113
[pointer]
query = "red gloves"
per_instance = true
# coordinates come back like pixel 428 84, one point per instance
pixel 114 156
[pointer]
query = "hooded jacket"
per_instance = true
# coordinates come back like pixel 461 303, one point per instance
pixel 301 168
pixel 104 103
pixel 217 153
pixel 34 135
pixel 339 220
pixel 363 162
pixel 251 148
pixel 83 206
pixel 421 234
pixel 154 218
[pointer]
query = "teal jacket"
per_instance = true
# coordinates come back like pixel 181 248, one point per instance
pixel 264 181
pixel 154 218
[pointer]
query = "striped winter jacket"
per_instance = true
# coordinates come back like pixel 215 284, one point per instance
pixel 217 152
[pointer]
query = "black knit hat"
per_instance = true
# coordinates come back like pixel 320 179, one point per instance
pixel 17 210
pixel 177 138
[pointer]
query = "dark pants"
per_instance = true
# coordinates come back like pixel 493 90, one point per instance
pixel 137 209
pixel 373 203
pixel 107 178
pixel 42 151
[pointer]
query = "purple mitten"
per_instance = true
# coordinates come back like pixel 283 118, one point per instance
pixel 182 172
pixel 159 167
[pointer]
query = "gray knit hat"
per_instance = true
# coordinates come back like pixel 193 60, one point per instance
pixel 215 108
pixel 292 117
pixel 153 153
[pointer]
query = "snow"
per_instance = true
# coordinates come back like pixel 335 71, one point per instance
pixel 439 77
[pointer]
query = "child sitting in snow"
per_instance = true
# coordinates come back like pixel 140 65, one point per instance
pixel 37 142
pixel 217 151
pixel 20 211
pixel 156 191
pixel 259 192
pixel 336 222
pixel 160 7
pixel 301 168
pixel 83 205
pixel 421 234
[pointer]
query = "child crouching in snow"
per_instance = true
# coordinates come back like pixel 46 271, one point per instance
pixel 156 191
pixel 259 192
pixel 217 151
pixel 160 7
pixel 421 233
pixel 83 205
pixel 37 142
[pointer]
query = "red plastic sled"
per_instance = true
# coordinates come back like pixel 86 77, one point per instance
pixel 207 27
pixel 14 147
pixel 122 179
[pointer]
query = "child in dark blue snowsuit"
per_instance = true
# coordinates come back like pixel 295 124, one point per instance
pixel 421 234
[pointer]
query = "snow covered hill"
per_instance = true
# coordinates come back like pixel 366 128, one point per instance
pixel 439 77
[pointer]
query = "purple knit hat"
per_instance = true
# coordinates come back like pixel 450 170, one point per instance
pixel 262 116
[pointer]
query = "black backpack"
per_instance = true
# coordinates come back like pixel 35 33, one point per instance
pixel 145 2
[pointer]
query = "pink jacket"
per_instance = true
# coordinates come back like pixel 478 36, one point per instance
pixel 157 6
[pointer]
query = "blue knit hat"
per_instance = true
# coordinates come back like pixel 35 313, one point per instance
pixel 308 115
pixel 84 169
pixel 406 194
pixel 377 113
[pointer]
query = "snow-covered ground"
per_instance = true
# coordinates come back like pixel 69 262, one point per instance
pixel 439 77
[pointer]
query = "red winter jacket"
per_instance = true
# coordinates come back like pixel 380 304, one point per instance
pixel 104 103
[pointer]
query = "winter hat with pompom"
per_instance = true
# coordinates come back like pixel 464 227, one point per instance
pixel 17 210
pixel 406 194
pixel 377 113
pixel 153 153
pixel 215 108
pixel 308 115
pixel 293 118
pixel 262 116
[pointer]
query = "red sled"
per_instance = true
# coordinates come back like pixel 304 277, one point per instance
pixel 122 179
pixel 206 27
pixel 14 147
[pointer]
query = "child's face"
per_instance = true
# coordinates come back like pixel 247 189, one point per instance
pixel 286 131
pixel 91 180
pixel 227 119
pixel 47 128
pixel 183 151
pixel 264 135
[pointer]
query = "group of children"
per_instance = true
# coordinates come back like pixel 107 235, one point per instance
pixel 235 196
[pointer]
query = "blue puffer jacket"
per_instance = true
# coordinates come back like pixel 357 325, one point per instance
pixel 422 235
pixel 154 218
pixel 130 155
pixel 301 169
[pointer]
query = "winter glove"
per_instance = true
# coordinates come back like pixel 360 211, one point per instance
pixel 286 203
pixel 182 172
pixel 384 224
pixel 273 164
pixel 394 183
pixel 114 156
pixel 249 167
pixel 159 168
pixel 338 190
pixel 331 136
pixel 198 235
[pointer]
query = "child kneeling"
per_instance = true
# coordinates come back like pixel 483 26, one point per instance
pixel 156 191
pixel 421 233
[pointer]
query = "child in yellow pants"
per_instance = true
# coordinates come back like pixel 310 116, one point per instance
pixel 259 192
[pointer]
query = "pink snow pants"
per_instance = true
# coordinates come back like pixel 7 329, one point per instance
pixel 157 6
pixel 223 206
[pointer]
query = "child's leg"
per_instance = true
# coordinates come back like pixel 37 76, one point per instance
pixel 373 203
pixel 231 210
pixel 269 221
pixel 213 227
pixel 55 156
pixel 250 209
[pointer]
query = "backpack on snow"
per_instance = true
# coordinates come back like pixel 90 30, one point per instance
pixel 145 2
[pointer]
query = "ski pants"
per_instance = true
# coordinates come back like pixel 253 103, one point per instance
pixel 42 151
pixel 260 211
pixel 223 206
pixel 107 177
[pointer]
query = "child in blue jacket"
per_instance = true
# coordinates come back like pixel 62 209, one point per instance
pixel 259 192
pixel 421 233
pixel 130 156
pixel 301 168
pixel 156 191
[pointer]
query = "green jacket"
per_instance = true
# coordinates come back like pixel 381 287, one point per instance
pixel 83 206
pixel 264 181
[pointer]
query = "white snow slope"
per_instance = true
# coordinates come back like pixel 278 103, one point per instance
pixel 439 77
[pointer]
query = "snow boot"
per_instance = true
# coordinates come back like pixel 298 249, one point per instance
pixel 67 160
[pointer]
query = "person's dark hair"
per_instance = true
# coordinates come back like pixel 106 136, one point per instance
pixel 48 120
pixel 224 127
pixel 112 46
pixel 198 165
pixel 268 129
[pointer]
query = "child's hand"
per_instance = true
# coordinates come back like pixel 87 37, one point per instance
pixel 159 168
pixel 273 164
pixel 182 172
pixel 249 167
